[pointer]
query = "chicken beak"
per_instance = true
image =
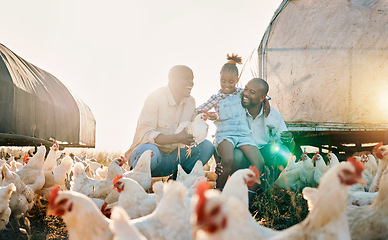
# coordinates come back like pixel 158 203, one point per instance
pixel 258 181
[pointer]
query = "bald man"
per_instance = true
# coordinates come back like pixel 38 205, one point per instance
pixel 161 115
pixel 270 133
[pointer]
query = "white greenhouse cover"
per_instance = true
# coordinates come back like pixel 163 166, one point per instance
pixel 326 62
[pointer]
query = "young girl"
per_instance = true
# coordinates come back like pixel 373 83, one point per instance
pixel 232 127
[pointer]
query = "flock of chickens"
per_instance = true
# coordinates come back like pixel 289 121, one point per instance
pixel 98 202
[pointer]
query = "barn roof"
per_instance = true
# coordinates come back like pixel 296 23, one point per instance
pixel 35 107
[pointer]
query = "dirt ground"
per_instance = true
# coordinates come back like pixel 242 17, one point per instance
pixel 37 226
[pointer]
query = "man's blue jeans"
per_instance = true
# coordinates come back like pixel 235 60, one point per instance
pixel 164 164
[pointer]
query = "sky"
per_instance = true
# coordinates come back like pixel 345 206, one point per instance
pixel 113 54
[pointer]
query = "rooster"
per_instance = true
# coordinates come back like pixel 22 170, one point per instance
pixel 133 198
pixel 142 171
pixel 371 221
pixel 171 216
pixel 5 210
pixel 328 221
pixel 122 227
pixel 215 216
pixel 32 173
pixel 198 128
pixel 95 188
pixel 82 217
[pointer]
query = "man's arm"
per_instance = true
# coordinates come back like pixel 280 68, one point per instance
pixel 182 137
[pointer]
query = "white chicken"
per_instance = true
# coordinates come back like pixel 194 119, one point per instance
pixel 371 221
pixel 142 171
pixel 15 166
pixel 307 171
pixel 58 174
pixel 238 183
pixel 95 188
pixel 32 173
pixel 215 216
pixel 359 198
pixel 333 160
pixel 189 179
pixel 22 199
pixel 289 178
pixel 328 221
pixel 122 227
pixel 320 167
pixel 381 152
pixel 133 198
pixel 51 159
pixel 198 128
pixel 82 217
pixel 5 210
pixel 170 220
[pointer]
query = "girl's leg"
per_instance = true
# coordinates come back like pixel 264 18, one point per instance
pixel 225 150
pixel 254 156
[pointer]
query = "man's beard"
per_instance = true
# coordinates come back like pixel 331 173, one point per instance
pixel 250 104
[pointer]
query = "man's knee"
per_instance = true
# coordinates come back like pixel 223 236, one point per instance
pixel 139 150
pixel 206 151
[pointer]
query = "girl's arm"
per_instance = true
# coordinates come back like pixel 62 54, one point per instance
pixel 209 104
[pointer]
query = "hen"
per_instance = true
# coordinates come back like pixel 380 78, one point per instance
pixel 22 199
pixel 95 188
pixel 51 159
pixel 133 198
pixel 171 216
pixel 122 227
pixel 332 159
pixel 215 216
pixel 142 171
pixel 5 210
pixel 238 183
pixel 189 179
pixel 371 221
pixel 198 128
pixel 381 152
pixel 32 174
pixel 289 178
pixel 328 221
pixel 307 171
pixel 82 217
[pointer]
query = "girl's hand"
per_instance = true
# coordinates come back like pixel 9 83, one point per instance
pixel 213 116
pixel 267 107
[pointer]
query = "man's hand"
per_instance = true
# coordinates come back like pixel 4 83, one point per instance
pixel 185 138
pixel 286 136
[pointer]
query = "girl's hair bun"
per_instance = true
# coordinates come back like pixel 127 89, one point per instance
pixel 233 59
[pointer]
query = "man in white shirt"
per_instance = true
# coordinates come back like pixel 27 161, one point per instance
pixel 161 115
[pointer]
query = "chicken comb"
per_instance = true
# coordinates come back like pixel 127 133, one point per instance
pixel 357 165
pixel 200 191
pixel 25 158
pixel 122 158
pixel 330 152
pixel 119 176
pixel 53 195
pixel 376 150
pixel 56 146
pixel 152 153
pixel 254 169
